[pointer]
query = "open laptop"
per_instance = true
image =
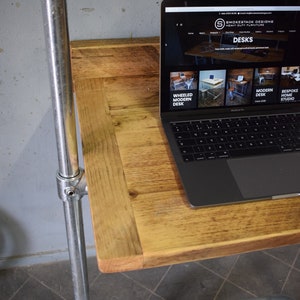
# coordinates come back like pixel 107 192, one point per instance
pixel 230 97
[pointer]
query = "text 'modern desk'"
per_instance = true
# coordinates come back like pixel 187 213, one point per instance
pixel 139 213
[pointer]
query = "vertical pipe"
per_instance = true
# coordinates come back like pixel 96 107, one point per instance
pixel 74 227
pixel 57 42
pixel 57 37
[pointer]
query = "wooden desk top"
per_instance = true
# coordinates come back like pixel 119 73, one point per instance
pixel 140 215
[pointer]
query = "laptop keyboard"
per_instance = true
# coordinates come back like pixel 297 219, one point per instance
pixel 225 138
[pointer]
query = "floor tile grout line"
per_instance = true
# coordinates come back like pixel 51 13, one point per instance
pixel 233 283
pixel 210 270
pixel 156 295
pixel 280 260
pixel 160 281
pixel 46 286
pixel 292 266
pixel 290 271
pixel 20 287
pixel 95 279
pixel 136 282
pixel 216 273
pixel 162 278
pixel 152 292
pixel 241 288
pixel 226 277
pixel 296 269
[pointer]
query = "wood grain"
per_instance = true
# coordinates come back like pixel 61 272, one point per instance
pixel 140 215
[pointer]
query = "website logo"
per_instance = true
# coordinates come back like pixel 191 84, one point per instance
pixel 219 24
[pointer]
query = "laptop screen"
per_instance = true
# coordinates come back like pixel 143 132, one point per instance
pixel 229 56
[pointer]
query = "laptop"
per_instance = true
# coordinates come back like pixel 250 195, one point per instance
pixel 230 98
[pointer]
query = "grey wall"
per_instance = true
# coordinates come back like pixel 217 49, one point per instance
pixel 32 228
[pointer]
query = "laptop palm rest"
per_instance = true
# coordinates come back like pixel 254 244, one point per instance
pixel 271 176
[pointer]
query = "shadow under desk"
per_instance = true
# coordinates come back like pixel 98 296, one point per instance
pixel 140 216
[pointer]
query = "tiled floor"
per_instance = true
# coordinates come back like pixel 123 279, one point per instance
pixel 246 276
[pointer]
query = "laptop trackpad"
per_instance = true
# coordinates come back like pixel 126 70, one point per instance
pixel 267 176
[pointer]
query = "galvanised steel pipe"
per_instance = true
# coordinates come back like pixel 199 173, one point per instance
pixel 57 39
pixel 70 178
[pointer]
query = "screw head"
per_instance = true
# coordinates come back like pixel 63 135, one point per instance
pixel 70 191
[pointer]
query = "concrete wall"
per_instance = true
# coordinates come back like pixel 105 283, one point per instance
pixel 32 228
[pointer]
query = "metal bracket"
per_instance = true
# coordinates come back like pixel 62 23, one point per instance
pixel 73 188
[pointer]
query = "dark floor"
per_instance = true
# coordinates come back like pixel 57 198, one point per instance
pixel 246 276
